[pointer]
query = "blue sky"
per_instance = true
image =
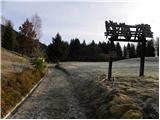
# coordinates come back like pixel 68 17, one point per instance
pixel 82 19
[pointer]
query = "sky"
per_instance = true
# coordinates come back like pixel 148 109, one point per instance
pixel 83 19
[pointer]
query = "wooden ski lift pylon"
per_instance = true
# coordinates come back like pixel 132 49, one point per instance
pixel 127 33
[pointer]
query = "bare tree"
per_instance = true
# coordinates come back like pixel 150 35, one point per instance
pixel 4 20
pixel 39 52
pixel 37 24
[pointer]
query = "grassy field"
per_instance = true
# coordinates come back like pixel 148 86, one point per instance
pixel 17 78
pixel 127 67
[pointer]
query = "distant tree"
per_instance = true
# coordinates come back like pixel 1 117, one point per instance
pixel 124 51
pixel 50 54
pixel 57 50
pixel 100 45
pixel 118 50
pixel 109 46
pixel 27 38
pixel 94 48
pixel 138 49
pixel 132 51
pixel 92 45
pixel 114 46
pixel 94 52
pixel 128 50
pixel 74 49
pixel 150 50
pixel 37 25
pixel 77 44
pixel 9 36
pixel 157 45
pixel 84 44
pixel 83 51
pixel 104 47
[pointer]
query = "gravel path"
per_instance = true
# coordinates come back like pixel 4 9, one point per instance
pixel 54 98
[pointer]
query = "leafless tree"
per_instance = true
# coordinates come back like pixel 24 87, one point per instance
pixel 4 20
pixel 37 24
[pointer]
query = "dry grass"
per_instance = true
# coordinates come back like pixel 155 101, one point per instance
pixel 14 87
pixel 13 62
pixel 141 87
pixel 17 78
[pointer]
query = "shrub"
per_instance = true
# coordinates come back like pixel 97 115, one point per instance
pixel 39 64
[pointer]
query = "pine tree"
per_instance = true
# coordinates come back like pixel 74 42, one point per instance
pixel 9 37
pixel 132 51
pixel 118 50
pixel 74 49
pixel 157 45
pixel 84 43
pixel 128 50
pixel 94 48
pixel 57 50
pixel 138 49
pixel 124 51
pixel 150 50
pixel 104 47
pixel 92 45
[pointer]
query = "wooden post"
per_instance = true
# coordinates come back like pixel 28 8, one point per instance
pixel 110 62
pixel 142 57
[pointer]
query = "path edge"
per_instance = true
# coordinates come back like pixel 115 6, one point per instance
pixel 62 69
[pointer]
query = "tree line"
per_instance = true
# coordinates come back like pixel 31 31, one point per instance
pixel 77 51
pixel 26 41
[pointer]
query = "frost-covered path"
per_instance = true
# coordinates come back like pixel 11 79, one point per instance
pixel 54 98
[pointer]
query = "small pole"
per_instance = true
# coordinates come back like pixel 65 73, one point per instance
pixel 110 62
pixel 142 57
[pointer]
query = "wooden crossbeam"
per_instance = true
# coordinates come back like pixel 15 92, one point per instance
pixel 125 40
pixel 121 25
pixel 119 33
pixel 121 29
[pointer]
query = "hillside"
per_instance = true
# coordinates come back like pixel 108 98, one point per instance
pixel 17 78
pixel 13 62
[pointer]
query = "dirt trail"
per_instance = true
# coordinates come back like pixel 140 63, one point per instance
pixel 54 98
